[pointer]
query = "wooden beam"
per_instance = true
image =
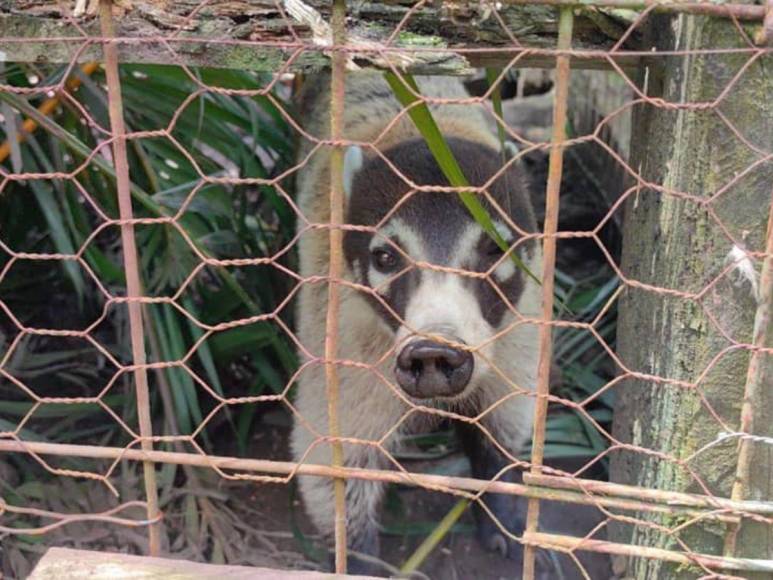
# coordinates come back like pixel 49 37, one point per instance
pixel 69 564
pixel 259 35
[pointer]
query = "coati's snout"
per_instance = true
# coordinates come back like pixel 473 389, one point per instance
pixel 427 369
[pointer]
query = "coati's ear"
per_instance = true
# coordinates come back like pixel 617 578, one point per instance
pixel 353 159
pixel 511 149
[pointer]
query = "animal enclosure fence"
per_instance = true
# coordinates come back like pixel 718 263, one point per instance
pixel 728 299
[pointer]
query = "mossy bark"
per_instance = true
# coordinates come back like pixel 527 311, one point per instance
pixel 682 244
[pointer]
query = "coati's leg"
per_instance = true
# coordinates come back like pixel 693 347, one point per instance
pixel 363 503
pixel 367 412
pixel 363 499
pixel 486 461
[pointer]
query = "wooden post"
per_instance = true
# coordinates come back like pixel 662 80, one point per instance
pixel 684 243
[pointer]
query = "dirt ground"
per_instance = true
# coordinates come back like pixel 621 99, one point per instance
pixel 459 556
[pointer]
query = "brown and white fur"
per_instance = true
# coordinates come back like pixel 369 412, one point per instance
pixel 430 227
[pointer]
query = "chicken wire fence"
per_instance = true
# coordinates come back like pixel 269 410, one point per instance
pixel 295 36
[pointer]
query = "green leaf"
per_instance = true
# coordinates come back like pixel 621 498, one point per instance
pixel 177 350
pixel 492 74
pixel 235 342
pixel 60 233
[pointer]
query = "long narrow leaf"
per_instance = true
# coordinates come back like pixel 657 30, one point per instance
pixel 492 75
pixel 425 123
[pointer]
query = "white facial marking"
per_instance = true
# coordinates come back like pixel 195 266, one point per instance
pixel 464 250
pixel 443 304
pixel 410 242
pixel 358 269
pixel 511 149
pixel 446 303
pixel 353 160
pixel 506 268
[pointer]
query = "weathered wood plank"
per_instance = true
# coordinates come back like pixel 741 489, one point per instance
pixel 69 564
pixel 256 35
pixel 674 242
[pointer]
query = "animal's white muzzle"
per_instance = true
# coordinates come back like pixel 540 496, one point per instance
pixel 443 327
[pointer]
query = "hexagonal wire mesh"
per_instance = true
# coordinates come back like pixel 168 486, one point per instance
pixel 294 36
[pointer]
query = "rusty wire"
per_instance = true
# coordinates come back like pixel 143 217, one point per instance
pixel 543 483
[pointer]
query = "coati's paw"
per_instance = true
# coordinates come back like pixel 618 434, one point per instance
pixel 493 539
pixel 362 557
pixel 546 567
pixel 502 511
pixel 510 512
pixel 363 567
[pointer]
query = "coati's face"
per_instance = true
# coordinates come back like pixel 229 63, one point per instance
pixel 440 284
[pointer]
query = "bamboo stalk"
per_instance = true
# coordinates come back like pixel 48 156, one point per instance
pixel 337 92
pixel 567 544
pixel 555 166
pixel 672 498
pixel 131 267
pixel 755 377
pixel 437 535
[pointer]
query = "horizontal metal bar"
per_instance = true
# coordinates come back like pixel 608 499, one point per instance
pixel 300 56
pixel 655 495
pixel 566 544
pixel 670 502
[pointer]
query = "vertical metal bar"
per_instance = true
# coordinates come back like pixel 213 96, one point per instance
pixel 754 381
pixel 565 23
pixel 337 93
pixel 133 287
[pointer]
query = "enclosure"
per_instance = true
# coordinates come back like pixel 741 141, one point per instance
pixel 149 271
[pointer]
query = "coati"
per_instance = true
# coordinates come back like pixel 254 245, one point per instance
pixel 423 338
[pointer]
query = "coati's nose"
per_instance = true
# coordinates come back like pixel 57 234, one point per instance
pixel 427 369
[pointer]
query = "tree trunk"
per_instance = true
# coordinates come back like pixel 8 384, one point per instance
pixel 676 243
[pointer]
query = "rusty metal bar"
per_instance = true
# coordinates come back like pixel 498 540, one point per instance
pixel 670 498
pixel 131 267
pixel 543 487
pixel 567 544
pixel 565 24
pixel 337 93
pixel 108 516
pixel 755 376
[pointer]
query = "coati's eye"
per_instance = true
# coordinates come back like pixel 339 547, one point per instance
pixel 384 260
